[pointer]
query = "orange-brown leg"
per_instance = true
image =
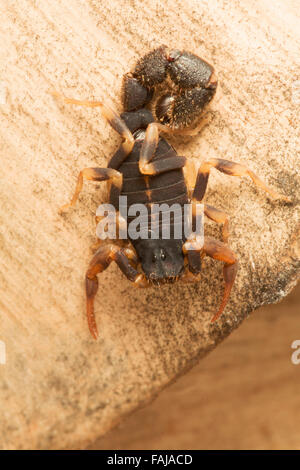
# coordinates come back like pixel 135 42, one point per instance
pixel 113 119
pixel 97 174
pixel 125 258
pixel 189 277
pixel 232 169
pixel 148 151
pixel 219 251
pixel 220 217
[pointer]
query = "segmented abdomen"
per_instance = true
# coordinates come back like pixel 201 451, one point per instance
pixel 167 188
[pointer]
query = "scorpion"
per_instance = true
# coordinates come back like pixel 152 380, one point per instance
pixel 166 93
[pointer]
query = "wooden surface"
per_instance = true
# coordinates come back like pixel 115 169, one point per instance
pixel 244 395
pixel 59 388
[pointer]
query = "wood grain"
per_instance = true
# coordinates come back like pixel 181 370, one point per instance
pixel 59 388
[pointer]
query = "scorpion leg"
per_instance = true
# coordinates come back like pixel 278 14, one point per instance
pixel 113 119
pixel 148 151
pixel 190 174
pixel 97 174
pixel 125 258
pixel 194 256
pixel 220 217
pixel 232 169
pixel 219 251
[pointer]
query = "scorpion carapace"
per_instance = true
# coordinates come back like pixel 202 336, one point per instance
pixel 167 92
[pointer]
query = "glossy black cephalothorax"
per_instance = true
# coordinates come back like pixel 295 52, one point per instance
pixel 166 92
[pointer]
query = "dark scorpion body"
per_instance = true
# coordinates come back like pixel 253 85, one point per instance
pixel 167 188
pixel 167 92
